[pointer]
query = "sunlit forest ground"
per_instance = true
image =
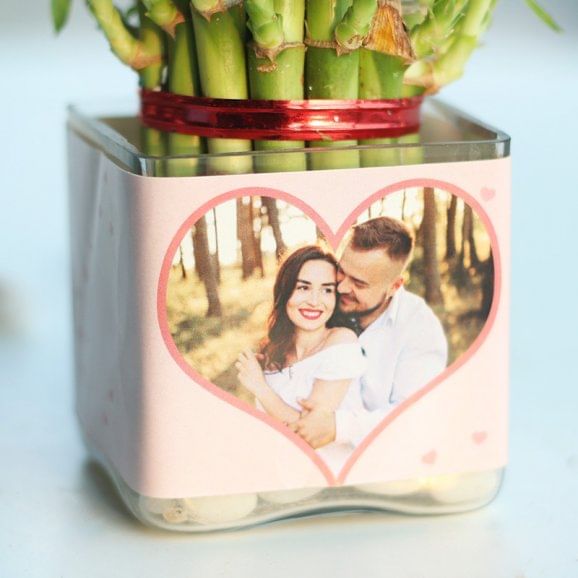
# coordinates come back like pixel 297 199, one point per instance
pixel 209 344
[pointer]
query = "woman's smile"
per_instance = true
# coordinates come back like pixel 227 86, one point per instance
pixel 311 314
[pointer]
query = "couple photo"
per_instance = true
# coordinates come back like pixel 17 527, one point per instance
pixel 327 344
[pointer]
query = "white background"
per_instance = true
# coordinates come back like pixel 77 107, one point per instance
pixel 59 517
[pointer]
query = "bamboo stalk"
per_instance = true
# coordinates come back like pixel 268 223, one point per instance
pixel 153 142
pixel 414 15
pixel 381 76
pixel 183 79
pixel 439 25
pixel 448 63
pixel 332 70
pixel 276 68
pixel 351 32
pixel 383 62
pixel 444 47
pixel 220 35
pixel 165 14
pixel 123 44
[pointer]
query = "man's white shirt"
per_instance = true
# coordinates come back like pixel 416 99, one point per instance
pixel 406 348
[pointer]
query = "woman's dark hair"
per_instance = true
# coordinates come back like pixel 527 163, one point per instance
pixel 281 331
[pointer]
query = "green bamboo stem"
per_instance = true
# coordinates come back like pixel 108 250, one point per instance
pixel 265 24
pixel 381 76
pixel 447 54
pixel 354 27
pixel 437 27
pixel 410 155
pixel 210 7
pixel 123 44
pixel 488 18
pixel 448 65
pixel 165 13
pixel 183 79
pixel 330 74
pixel 153 142
pixel 276 69
pixel 383 63
pixel 418 14
pixel 220 42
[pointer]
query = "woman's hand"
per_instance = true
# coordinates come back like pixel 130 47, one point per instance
pixel 252 377
pixel 250 373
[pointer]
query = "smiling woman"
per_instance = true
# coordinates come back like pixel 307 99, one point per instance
pixel 305 356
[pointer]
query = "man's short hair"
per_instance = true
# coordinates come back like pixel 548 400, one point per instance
pixel 391 235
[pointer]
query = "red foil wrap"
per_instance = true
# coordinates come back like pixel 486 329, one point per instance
pixel 300 120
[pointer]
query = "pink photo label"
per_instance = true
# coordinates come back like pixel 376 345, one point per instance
pixel 303 329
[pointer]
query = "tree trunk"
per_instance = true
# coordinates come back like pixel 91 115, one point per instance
pixel 474 259
pixel 216 256
pixel 451 250
pixel 468 239
pixel 182 263
pixel 488 277
pixel 403 205
pixel 433 293
pixel 206 267
pixel 197 255
pixel 273 220
pixel 246 236
pixel 257 217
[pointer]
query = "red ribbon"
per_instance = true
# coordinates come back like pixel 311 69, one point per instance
pixel 301 120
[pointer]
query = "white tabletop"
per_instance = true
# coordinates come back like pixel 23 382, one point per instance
pixel 58 514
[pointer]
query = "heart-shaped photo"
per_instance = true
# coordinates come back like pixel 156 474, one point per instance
pixel 327 332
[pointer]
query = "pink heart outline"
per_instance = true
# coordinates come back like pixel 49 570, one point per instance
pixel 334 239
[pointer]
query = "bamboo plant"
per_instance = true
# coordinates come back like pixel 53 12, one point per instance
pixel 220 35
pixel 276 58
pixel 336 29
pixel 181 77
pixel 290 50
pixel 151 78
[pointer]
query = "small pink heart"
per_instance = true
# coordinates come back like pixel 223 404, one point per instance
pixel 430 457
pixel 479 437
pixel 488 194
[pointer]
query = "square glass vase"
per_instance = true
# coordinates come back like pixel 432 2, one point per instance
pixel 173 262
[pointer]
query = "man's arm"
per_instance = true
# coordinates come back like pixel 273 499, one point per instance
pixel 319 427
pixel 423 357
pixel 316 424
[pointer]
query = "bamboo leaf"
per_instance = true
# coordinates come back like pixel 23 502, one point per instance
pixel 543 15
pixel 60 12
